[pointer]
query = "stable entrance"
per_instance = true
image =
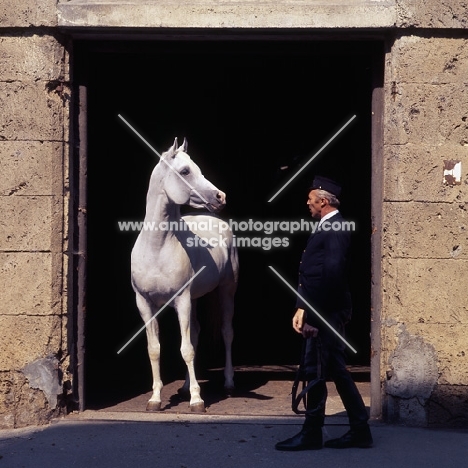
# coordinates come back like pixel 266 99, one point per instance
pixel 254 113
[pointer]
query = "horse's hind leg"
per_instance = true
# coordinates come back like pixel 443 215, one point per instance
pixel 226 299
pixel 154 351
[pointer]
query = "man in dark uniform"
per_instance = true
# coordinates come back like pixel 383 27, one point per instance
pixel 323 284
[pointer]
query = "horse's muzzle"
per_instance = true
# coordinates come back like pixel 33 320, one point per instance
pixel 220 202
pixel 214 201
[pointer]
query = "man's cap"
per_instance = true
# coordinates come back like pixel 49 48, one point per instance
pixel 329 185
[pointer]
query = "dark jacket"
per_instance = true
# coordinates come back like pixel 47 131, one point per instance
pixel 323 274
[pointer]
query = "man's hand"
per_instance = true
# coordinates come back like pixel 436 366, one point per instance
pixel 300 326
pixel 298 320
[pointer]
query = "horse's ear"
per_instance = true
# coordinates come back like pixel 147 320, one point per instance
pixel 170 153
pixel 184 145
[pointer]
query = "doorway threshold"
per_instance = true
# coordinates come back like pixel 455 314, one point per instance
pixel 262 392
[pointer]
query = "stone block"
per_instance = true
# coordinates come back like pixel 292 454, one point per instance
pixel 27 338
pixel 227 14
pixel 29 284
pixel 416 172
pixel 31 168
pixel 424 291
pixel 31 111
pixel 424 230
pixel 28 13
pixel 429 60
pixel 26 223
pixel 427 114
pixel 432 14
pixel 31 57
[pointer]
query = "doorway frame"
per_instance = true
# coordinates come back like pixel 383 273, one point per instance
pixel 77 279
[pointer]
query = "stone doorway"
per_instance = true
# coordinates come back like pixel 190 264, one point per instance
pixel 248 109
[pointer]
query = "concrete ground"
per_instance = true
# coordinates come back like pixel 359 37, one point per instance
pixel 240 431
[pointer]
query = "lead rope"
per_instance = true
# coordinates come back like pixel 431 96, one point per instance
pixel 301 378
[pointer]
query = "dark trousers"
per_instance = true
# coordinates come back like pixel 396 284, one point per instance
pixel 332 365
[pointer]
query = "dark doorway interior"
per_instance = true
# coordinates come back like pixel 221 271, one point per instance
pixel 247 108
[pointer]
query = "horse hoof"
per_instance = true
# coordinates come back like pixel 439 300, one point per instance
pixel 198 408
pixel 229 391
pixel 153 406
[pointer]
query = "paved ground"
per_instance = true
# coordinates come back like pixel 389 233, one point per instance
pixel 234 432
pixel 214 441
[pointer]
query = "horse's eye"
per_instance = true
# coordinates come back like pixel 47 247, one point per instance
pixel 185 172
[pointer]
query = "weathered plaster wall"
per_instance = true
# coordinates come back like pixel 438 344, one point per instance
pixel 425 223
pixel 33 227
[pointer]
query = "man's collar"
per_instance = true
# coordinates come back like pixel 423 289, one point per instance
pixel 328 216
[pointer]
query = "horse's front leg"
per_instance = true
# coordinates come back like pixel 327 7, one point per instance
pixel 184 391
pixel 183 307
pixel 154 351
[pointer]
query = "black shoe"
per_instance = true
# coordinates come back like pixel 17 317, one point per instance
pixel 307 439
pixel 360 438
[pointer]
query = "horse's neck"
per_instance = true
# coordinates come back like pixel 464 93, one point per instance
pixel 160 213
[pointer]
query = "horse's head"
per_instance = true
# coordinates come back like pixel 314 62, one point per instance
pixel 184 182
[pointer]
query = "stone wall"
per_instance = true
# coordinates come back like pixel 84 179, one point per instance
pixel 425 231
pixel 34 102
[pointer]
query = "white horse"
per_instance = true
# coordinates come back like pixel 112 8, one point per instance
pixel 166 259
